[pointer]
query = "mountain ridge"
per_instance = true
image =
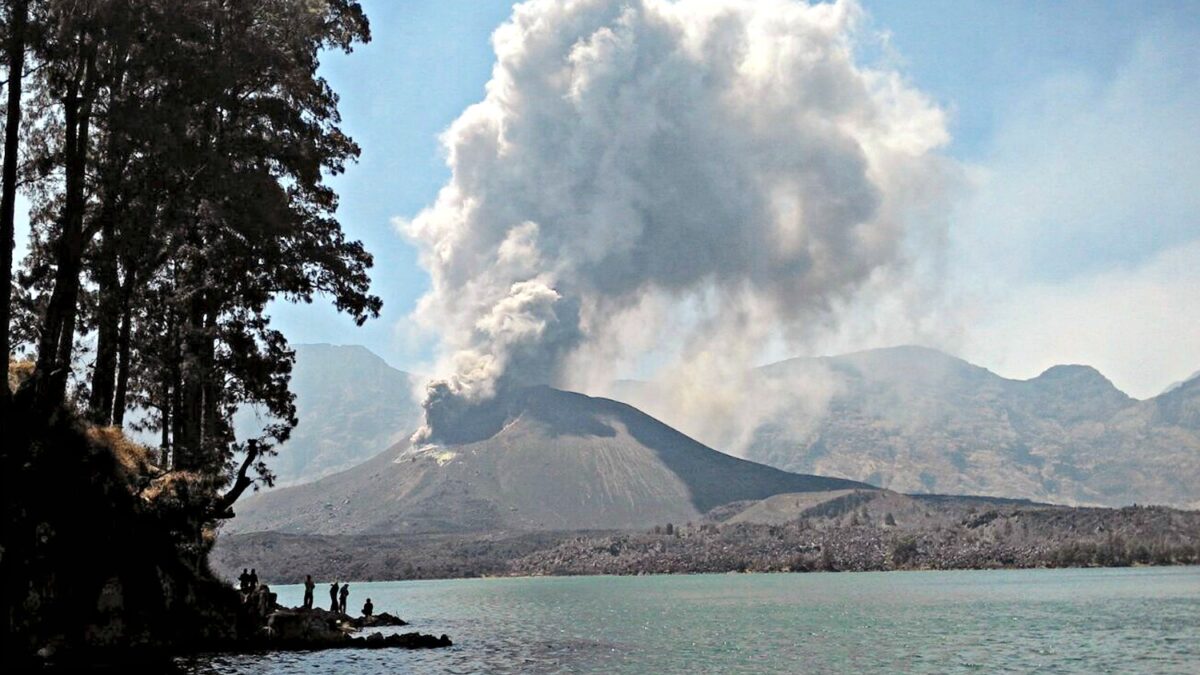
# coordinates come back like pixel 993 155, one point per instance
pixel 916 420
pixel 559 461
pixel 351 405
pixel 908 418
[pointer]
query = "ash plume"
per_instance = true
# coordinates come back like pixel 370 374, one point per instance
pixel 714 170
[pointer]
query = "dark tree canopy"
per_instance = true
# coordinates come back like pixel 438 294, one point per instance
pixel 176 154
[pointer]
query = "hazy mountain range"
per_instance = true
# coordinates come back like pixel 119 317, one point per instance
pixel 907 418
pixel 917 420
pixel 1175 385
pixel 913 419
pixel 351 405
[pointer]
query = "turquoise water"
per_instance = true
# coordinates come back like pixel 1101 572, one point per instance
pixel 1143 620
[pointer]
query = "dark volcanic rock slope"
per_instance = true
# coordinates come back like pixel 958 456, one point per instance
pixel 557 461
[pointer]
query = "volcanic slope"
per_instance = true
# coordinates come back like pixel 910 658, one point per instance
pixel 548 460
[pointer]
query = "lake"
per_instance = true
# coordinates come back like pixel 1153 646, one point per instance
pixel 1144 620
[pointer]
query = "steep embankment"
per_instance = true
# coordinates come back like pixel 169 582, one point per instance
pixel 546 460
pixel 103 556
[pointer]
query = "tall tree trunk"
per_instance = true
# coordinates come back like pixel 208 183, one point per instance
pixel 191 411
pixel 108 312
pixel 15 52
pixel 52 324
pixel 212 428
pixel 58 331
pixel 179 459
pixel 167 419
pixel 121 396
pixel 108 324
pixel 164 442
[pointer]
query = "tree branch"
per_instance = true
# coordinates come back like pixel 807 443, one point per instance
pixel 223 508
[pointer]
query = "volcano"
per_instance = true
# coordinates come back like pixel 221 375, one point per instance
pixel 532 459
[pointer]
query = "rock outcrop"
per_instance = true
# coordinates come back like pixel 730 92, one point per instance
pixel 378 620
pixel 287 629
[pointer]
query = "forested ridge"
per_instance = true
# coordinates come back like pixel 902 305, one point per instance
pixel 175 156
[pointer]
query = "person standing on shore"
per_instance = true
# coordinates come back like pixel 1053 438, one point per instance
pixel 345 594
pixel 333 597
pixel 308 591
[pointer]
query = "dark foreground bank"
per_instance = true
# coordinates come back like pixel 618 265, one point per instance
pixel 260 625
pixel 104 561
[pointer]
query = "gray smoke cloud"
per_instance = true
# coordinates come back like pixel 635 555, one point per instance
pixel 723 172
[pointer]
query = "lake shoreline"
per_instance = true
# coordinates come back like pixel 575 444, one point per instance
pixel 489 577
pixel 1062 620
pixel 262 626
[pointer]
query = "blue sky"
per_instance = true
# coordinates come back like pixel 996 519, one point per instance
pixel 1071 246
pixel 427 61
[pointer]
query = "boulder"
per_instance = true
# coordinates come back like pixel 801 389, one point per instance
pixel 315 626
pixel 378 620
pixel 304 629
pixel 404 641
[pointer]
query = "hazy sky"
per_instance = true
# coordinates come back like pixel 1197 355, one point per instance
pixel 1074 237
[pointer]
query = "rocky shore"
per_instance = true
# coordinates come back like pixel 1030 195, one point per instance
pixel 258 625
pixel 273 627
pixel 863 538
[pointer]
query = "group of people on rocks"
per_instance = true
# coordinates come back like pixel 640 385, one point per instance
pixel 255 594
pixel 338 594
pixel 248 581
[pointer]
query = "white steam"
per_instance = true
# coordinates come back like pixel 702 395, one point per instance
pixel 719 173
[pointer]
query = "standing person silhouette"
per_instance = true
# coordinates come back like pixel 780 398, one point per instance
pixel 333 597
pixel 345 594
pixel 308 591
pixel 253 579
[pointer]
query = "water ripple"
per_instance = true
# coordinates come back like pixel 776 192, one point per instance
pixel 1062 621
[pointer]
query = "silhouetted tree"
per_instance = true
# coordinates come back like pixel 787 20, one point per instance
pixel 181 154
pixel 15 32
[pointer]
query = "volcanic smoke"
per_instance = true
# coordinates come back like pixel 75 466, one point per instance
pixel 729 162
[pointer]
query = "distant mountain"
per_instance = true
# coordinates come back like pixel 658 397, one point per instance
pixel 351 405
pixel 916 420
pixel 1175 385
pixel 537 459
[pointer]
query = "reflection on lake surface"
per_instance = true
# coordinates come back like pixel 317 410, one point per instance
pixel 1063 621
